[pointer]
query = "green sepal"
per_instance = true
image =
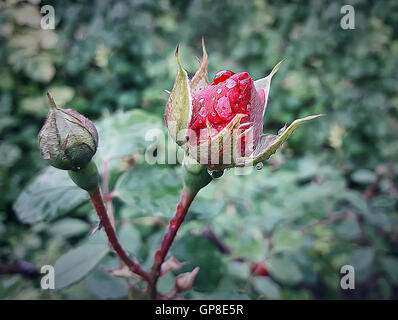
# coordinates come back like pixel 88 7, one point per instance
pixel 196 176
pixel 87 178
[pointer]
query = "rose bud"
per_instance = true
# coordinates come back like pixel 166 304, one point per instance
pixel 220 125
pixel 67 140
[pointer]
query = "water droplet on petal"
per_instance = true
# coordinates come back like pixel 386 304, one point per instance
pixel 201 100
pixel 230 83
pixel 259 166
pixel 222 76
pixel 223 108
pixel 215 173
pixel 219 91
pixel 203 112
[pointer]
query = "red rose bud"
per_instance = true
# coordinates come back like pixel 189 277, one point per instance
pixel 184 281
pixel 220 125
pixel 67 140
pixel 228 96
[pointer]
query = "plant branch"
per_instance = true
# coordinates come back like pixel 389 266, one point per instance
pixel 175 223
pixel 98 203
pixel 208 233
pixel 108 199
pixel 23 268
pixel 109 208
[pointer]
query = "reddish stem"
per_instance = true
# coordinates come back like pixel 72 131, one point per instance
pixel 107 198
pixel 98 203
pixel 175 223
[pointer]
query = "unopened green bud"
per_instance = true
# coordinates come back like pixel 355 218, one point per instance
pixel 67 140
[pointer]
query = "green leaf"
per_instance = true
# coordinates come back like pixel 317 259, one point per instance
pixel 198 252
pixel 348 229
pixel 49 195
pixel 130 238
pixel 225 296
pixel 208 203
pixel 284 270
pixel 361 258
pixel 68 227
pixel 287 240
pixel 104 286
pixel 239 270
pixel 150 190
pixel 390 265
pixel 363 176
pixel 10 286
pixel 267 287
pixel 357 201
pixel 123 133
pixel 166 283
pixel 77 263
pixel 62 94
pixel 40 68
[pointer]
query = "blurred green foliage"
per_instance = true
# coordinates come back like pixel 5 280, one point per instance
pixel 329 198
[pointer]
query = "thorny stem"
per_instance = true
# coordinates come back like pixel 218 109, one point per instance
pixel 98 203
pixel 109 208
pixel 175 223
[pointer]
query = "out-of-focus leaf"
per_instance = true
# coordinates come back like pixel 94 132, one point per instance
pixel 124 133
pixel 166 283
pixel 62 94
pixel 198 252
pixel 361 258
pixel 40 69
pixel 208 203
pixel 284 270
pixel 49 195
pixel 150 190
pixel 363 176
pixel 348 229
pixel 130 238
pixel 104 286
pixel 266 287
pixel 9 287
pixel 74 265
pixel 226 296
pixel 239 270
pixel 286 240
pixel 390 265
pixel 68 227
pixel 357 201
